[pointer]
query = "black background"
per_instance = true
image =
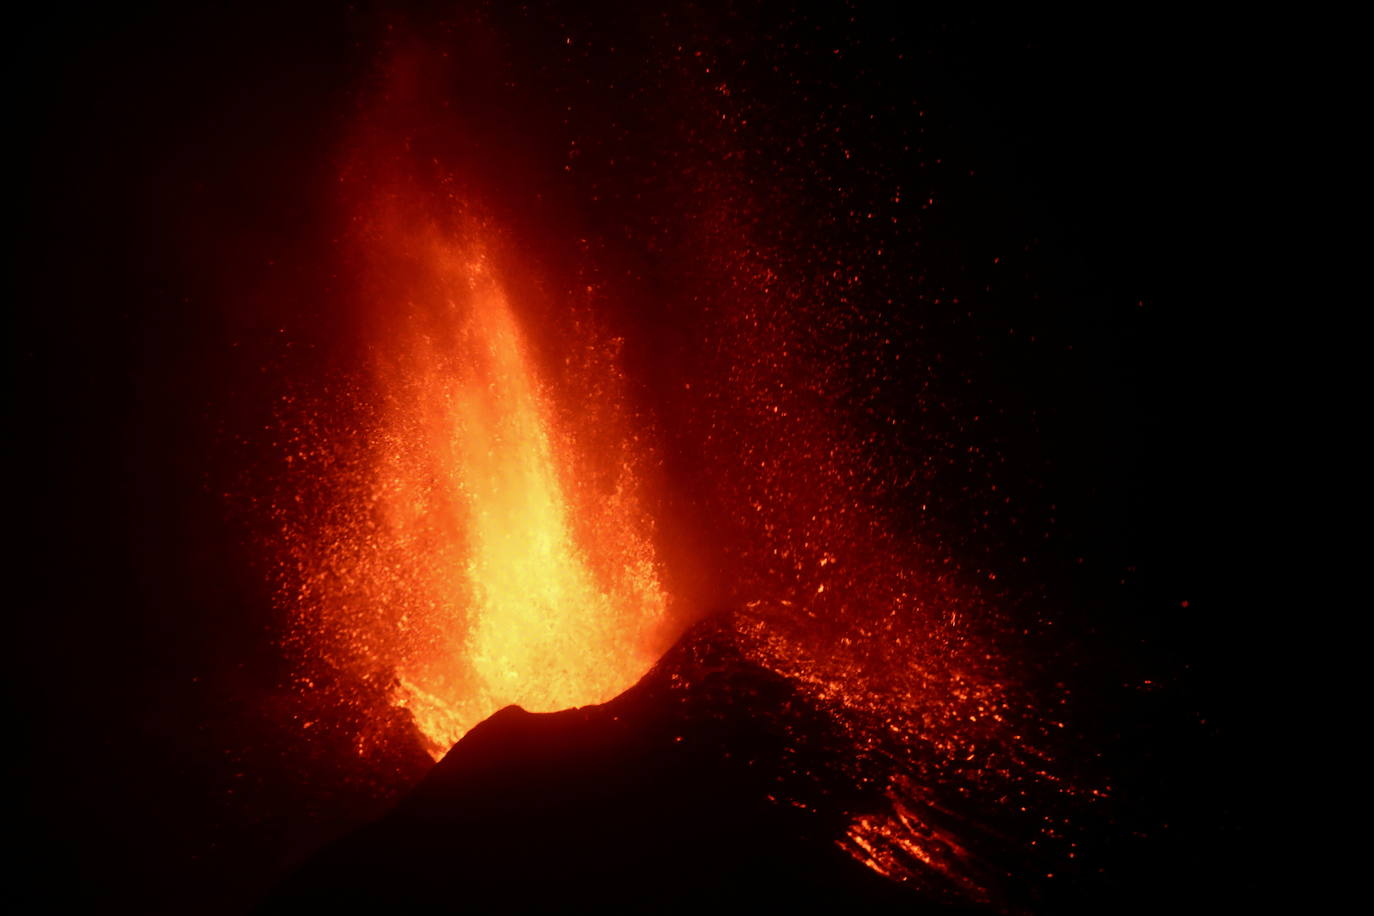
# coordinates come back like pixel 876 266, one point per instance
pixel 1111 152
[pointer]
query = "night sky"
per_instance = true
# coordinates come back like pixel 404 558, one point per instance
pixel 1062 405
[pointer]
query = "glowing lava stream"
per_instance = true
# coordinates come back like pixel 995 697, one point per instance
pixel 510 561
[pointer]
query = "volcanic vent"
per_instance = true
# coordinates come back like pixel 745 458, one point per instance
pixel 533 467
pixel 816 418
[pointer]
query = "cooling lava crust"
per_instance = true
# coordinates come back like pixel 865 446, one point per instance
pixel 682 794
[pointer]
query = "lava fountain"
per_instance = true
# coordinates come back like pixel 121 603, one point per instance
pixel 482 541
pixel 467 522
pixel 536 588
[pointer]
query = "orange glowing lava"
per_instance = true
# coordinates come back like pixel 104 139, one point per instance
pixel 479 541
pixel 477 486
pixel 464 520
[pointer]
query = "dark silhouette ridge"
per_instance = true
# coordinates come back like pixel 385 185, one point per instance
pixel 672 797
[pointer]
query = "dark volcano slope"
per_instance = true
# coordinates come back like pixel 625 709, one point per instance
pixel 668 798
